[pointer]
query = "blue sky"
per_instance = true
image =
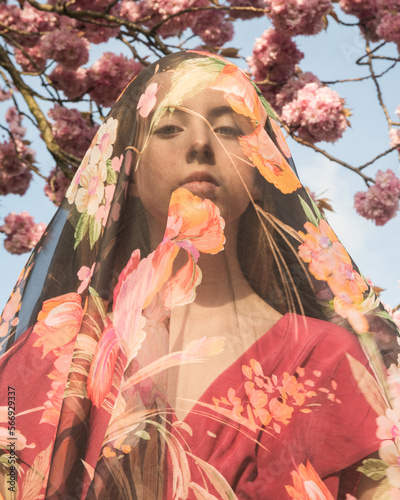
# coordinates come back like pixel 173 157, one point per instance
pixel 330 55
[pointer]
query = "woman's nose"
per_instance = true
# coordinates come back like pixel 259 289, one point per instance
pixel 200 147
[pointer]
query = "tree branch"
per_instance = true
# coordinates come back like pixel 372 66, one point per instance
pixel 63 159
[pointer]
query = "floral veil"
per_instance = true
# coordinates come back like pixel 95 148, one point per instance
pixel 97 387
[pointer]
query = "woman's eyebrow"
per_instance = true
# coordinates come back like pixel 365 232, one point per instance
pixel 220 110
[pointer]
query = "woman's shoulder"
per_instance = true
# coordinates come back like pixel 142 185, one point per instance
pixel 305 330
pixel 299 338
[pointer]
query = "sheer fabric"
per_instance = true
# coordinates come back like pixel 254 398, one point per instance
pixel 189 326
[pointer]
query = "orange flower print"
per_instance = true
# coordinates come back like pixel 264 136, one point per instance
pixel 307 485
pixel 194 225
pixel 240 94
pixel 329 261
pixel 8 317
pixel 58 323
pixel 270 402
pixel 196 221
pixel 354 312
pixel 322 250
pixel 59 375
pixel 103 365
pixel 262 152
pixel 346 282
pixel 280 139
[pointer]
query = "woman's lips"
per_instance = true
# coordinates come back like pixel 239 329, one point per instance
pixel 201 184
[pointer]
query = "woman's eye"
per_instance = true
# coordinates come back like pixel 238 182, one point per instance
pixel 228 131
pixel 167 130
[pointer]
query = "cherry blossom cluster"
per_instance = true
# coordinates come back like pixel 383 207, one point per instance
pixel 212 27
pixel 294 17
pixel 274 57
pixel 381 201
pixel 104 81
pixel 312 110
pixel 71 131
pixel 109 75
pixel 316 113
pixel 379 19
pixel 22 233
pixel 56 186
pixel 15 157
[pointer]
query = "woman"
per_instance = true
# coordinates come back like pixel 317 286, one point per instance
pixel 175 333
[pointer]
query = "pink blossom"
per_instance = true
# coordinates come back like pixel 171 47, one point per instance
pixel 246 14
pixel 397 110
pixel 84 275
pixel 131 11
pixel 109 75
pixel 161 9
pixel 316 114
pixel 66 47
pixel 274 57
pixel 213 28
pixel 37 61
pixel 26 19
pixel 97 33
pixel 147 101
pixel 297 17
pixel 4 95
pixel 381 201
pixel 15 174
pixel 389 28
pixel 14 119
pixel 56 186
pixel 74 84
pixel 289 91
pixel 71 131
pixel 22 232
pixel 367 13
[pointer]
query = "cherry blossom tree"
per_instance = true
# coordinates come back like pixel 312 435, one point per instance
pixel 48 82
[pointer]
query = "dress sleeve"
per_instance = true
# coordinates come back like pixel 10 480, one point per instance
pixel 334 428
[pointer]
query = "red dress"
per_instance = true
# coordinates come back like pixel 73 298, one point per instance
pixel 289 399
pixel 328 420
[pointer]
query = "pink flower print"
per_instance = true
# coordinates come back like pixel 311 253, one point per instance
pixel 147 100
pixel 84 274
pixel 116 163
pixel 104 210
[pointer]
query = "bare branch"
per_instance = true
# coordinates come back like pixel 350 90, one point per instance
pixel 323 152
pixel 378 89
pixel 63 159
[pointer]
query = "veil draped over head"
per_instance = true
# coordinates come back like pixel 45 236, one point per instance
pixel 189 326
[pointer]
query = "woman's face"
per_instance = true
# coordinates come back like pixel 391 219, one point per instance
pixel 186 151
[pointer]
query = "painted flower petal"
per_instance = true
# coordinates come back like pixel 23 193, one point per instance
pixel 181 289
pixel 197 220
pixel 263 153
pixel 102 368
